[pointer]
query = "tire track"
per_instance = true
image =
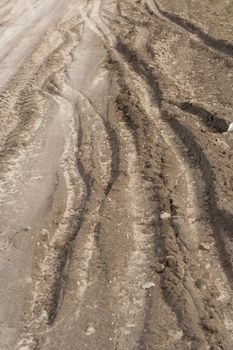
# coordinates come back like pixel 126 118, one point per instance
pixel 15 98
pixel 211 120
pixel 58 255
pixel 53 250
pixel 24 104
pixel 220 219
pixel 11 59
pixel 93 236
pixel 142 71
pixel 135 250
pixel 130 313
pixel 192 29
pixel 98 171
pixel 199 338
pixel 142 134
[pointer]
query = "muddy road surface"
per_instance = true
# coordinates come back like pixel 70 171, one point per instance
pixel 116 175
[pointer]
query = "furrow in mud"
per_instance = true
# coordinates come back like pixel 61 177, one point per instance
pixel 214 43
pixel 102 175
pixel 141 68
pixel 207 329
pixel 28 103
pixel 112 140
pixel 221 219
pixel 127 275
pixel 212 120
pixel 138 132
pixel 47 295
pixel 48 55
pixel 125 109
pixel 55 251
pixel 211 229
pixel 103 235
pixel 61 245
pixel 114 145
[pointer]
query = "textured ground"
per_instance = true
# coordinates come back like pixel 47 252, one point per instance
pixel 116 175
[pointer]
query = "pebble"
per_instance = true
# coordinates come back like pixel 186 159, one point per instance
pixel 165 215
pixel 37 178
pixel 44 315
pixel 148 285
pixel 159 268
pixel 230 128
pixel 171 261
pixel 27 228
pixel 90 330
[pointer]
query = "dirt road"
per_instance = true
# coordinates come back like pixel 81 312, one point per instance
pixel 116 185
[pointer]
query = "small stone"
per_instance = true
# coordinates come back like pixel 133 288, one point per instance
pixel 37 178
pixel 44 315
pixel 90 330
pixel 230 128
pixel 159 268
pixel 164 215
pixel 148 285
pixel 171 261
pixel 27 228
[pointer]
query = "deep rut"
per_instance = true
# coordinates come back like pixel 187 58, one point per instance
pixel 190 252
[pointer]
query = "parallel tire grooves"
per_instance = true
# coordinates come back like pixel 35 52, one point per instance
pixel 143 71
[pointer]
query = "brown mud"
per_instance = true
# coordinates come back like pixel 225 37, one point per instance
pixel 116 177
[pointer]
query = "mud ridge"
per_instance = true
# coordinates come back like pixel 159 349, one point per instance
pixel 220 219
pixel 60 250
pixel 211 120
pixel 170 278
pixel 115 159
pixel 174 279
pixel 116 176
pixel 217 44
pixel 141 68
pixel 26 106
pixel 65 251
pixel 114 146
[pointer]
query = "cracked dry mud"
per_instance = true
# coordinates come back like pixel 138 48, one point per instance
pixel 116 175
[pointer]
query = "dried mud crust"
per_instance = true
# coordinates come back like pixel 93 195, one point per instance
pixel 143 192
